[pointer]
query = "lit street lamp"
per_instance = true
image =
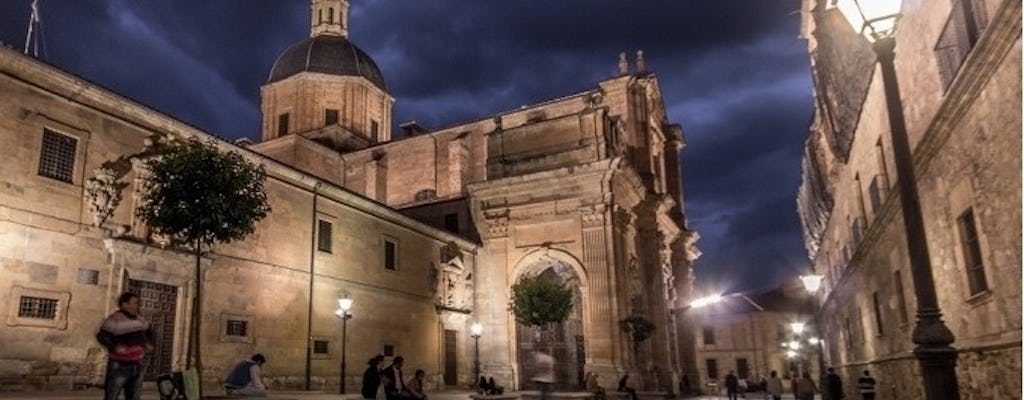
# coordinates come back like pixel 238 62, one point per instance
pixel 344 304
pixel 876 20
pixel 475 331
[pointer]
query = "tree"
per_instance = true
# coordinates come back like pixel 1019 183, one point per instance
pixel 198 196
pixel 638 329
pixel 540 301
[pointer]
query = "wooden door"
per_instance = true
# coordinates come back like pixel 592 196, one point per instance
pixel 157 303
pixel 451 358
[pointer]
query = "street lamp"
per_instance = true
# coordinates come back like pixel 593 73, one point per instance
pixel 344 304
pixel 876 20
pixel 811 282
pixel 797 327
pixel 475 331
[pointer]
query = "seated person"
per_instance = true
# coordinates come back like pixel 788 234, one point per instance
pixel 593 386
pixel 624 387
pixel 482 387
pixel 244 379
pixel 494 389
pixel 415 386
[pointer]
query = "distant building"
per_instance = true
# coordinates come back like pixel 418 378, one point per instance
pixel 750 334
pixel 426 233
pixel 958 65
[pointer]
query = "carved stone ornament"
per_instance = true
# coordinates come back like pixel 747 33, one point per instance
pixel 690 243
pixel 103 194
pixel 454 285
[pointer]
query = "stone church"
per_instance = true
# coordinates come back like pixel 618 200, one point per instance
pixel 426 232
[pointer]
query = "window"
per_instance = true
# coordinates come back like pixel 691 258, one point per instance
pixel 963 28
pixel 282 124
pixel 374 130
pixel 972 253
pixel 88 276
pixel 451 222
pixel 712 366
pixel 709 336
pixel 330 116
pixel 320 18
pixel 878 314
pixel 57 156
pixel 847 332
pixel 390 259
pixel 37 307
pixel 330 15
pixel 901 300
pixel 320 347
pixel 877 192
pixel 389 350
pixel 324 232
pixel 236 328
pixel 742 369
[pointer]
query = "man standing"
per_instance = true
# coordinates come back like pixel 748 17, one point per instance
pixel 774 386
pixel 834 386
pixel 127 337
pixel 394 387
pixel 732 386
pixel 866 384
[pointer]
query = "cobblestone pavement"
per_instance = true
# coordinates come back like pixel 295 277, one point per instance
pixel 282 395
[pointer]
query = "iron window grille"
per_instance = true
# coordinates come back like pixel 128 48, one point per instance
pixel 57 156
pixel 37 307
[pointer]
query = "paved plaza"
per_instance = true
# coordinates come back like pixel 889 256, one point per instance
pixel 282 395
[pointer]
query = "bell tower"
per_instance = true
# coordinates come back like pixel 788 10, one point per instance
pixel 329 17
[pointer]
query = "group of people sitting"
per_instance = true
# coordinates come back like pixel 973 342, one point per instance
pixel 487 386
pixel 590 381
pixel 390 383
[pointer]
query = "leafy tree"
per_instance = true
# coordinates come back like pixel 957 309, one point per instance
pixel 198 196
pixel 638 329
pixel 539 301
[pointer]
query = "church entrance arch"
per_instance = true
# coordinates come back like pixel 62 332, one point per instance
pixel 564 341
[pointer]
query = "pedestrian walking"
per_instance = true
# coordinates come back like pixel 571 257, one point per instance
pixel 372 383
pixel 866 384
pixel 625 388
pixel 805 388
pixel 545 367
pixel 732 386
pixel 774 386
pixel 127 337
pixel 834 385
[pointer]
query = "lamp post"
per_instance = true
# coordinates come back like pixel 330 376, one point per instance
pixel 344 304
pixel 475 331
pixel 876 20
pixel 812 282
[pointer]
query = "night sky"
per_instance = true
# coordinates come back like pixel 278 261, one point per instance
pixel 733 72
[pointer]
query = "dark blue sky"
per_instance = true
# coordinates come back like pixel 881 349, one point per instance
pixel 733 72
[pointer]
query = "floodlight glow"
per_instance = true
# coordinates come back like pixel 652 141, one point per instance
pixel 476 329
pixel 797 327
pixel 706 301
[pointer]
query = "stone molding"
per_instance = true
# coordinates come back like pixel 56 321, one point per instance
pixel 103 193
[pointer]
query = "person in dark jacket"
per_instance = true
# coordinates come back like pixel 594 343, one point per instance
pixel 372 377
pixel 732 386
pixel 127 337
pixel 246 378
pixel 834 385
pixel 624 387
pixel 394 381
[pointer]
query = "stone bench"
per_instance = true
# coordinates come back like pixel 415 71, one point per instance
pixel 653 395
pixel 535 395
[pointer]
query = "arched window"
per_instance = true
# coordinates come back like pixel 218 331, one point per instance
pixel 330 15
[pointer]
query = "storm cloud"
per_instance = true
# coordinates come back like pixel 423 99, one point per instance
pixel 733 72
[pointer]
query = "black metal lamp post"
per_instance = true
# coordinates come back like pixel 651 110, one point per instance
pixel 344 304
pixel 812 282
pixel 476 330
pixel 876 20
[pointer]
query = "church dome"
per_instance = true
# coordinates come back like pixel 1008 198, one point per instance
pixel 326 54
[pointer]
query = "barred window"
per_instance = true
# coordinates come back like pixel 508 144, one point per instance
pixel 57 156
pixel 37 307
pixel 389 350
pixel 324 233
pixel 320 347
pixel 972 253
pixel 237 328
pixel 330 116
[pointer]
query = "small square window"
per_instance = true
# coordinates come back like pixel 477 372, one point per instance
pixel 57 156
pixel 282 124
pixel 325 231
pixel 320 347
pixel 88 276
pixel 389 350
pixel 330 116
pixel 237 328
pixel 37 307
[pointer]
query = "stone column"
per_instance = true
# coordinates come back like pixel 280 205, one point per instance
pixel 492 277
pixel 601 332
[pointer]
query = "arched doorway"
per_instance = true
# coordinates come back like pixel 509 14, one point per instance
pixel 563 341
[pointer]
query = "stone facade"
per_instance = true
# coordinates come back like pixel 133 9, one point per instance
pixel 585 188
pixel 961 93
pixel 746 335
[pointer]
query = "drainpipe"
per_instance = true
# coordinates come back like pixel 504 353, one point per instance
pixel 309 312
